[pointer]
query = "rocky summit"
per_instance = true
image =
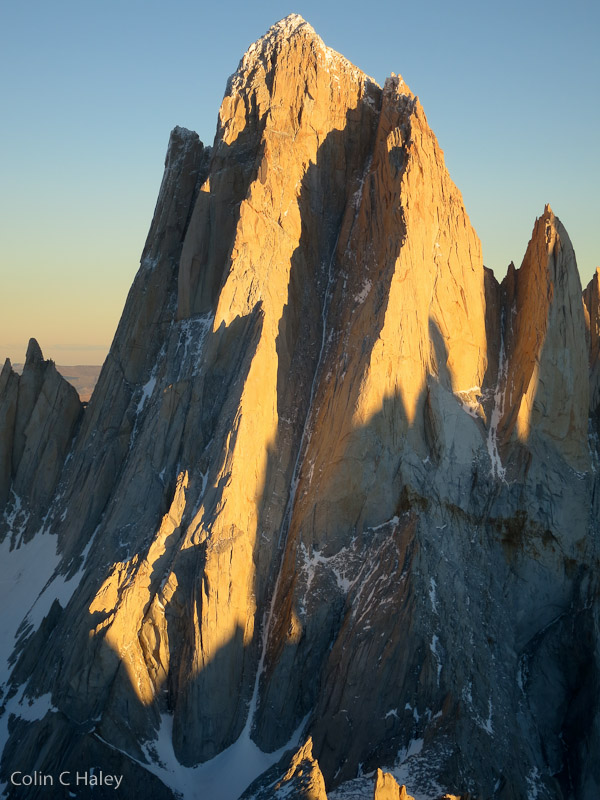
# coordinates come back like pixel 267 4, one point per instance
pixel 328 526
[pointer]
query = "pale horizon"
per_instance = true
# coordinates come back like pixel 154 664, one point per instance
pixel 64 354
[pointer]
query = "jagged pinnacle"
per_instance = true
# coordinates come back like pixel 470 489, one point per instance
pixel 34 352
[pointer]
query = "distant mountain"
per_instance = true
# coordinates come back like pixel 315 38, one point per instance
pixel 330 521
pixel 82 377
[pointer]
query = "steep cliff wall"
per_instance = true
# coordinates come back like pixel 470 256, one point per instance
pixel 334 481
pixel 39 414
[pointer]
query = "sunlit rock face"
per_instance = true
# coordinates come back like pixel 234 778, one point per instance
pixel 386 788
pixel 335 485
pixel 303 779
pixel 545 357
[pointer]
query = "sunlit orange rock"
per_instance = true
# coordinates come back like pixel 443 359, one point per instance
pixel 546 391
pixel 387 788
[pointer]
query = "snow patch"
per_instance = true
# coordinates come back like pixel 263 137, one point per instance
pixel 392 521
pixel 58 588
pixel 364 292
pixel 533 785
pixel 147 391
pixel 33 709
pixel 334 564
pixel 61 589
pixel 357 198
pixel 433 595
pixel 522 674
pixel 25 573
pixel 486 725
pixel 415 712
pixel 413 748
pixel 192 333
pixel 470 400
pixel 204 476
pixel 16 520
pixel 148 264
pixel 224 777
pixel 467 694
pixel 29 709
pixel 437 655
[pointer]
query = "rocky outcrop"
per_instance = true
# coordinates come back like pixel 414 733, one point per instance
pixel 591 307
pixel 334 481
pixel 302 779
pixel 467 796
pixel 386 788
pixel 9 389
pixel 40 412
pixel 545 387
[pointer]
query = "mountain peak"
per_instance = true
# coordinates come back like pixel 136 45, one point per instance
pixel 34 352
pixel 292 33
pixel 281 32
pixel 289 25
pixel 396 84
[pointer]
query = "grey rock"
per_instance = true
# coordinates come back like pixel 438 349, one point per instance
pixel 41 413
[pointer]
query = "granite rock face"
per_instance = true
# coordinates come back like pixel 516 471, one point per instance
pixel 39 414
pixel 335 485
pixel 386 788
pixel 302 779
pixel 544 352
pixel 591 298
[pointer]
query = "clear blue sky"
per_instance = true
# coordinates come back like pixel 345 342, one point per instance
pixel 90 91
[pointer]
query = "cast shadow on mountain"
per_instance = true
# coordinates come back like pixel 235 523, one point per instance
pixel 301 672
pixel 189 564
pixel 98 466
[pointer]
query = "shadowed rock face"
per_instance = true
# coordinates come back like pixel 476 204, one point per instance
pixel 83 378
pixel 591 298
pixel 39 413
pixel 334 480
